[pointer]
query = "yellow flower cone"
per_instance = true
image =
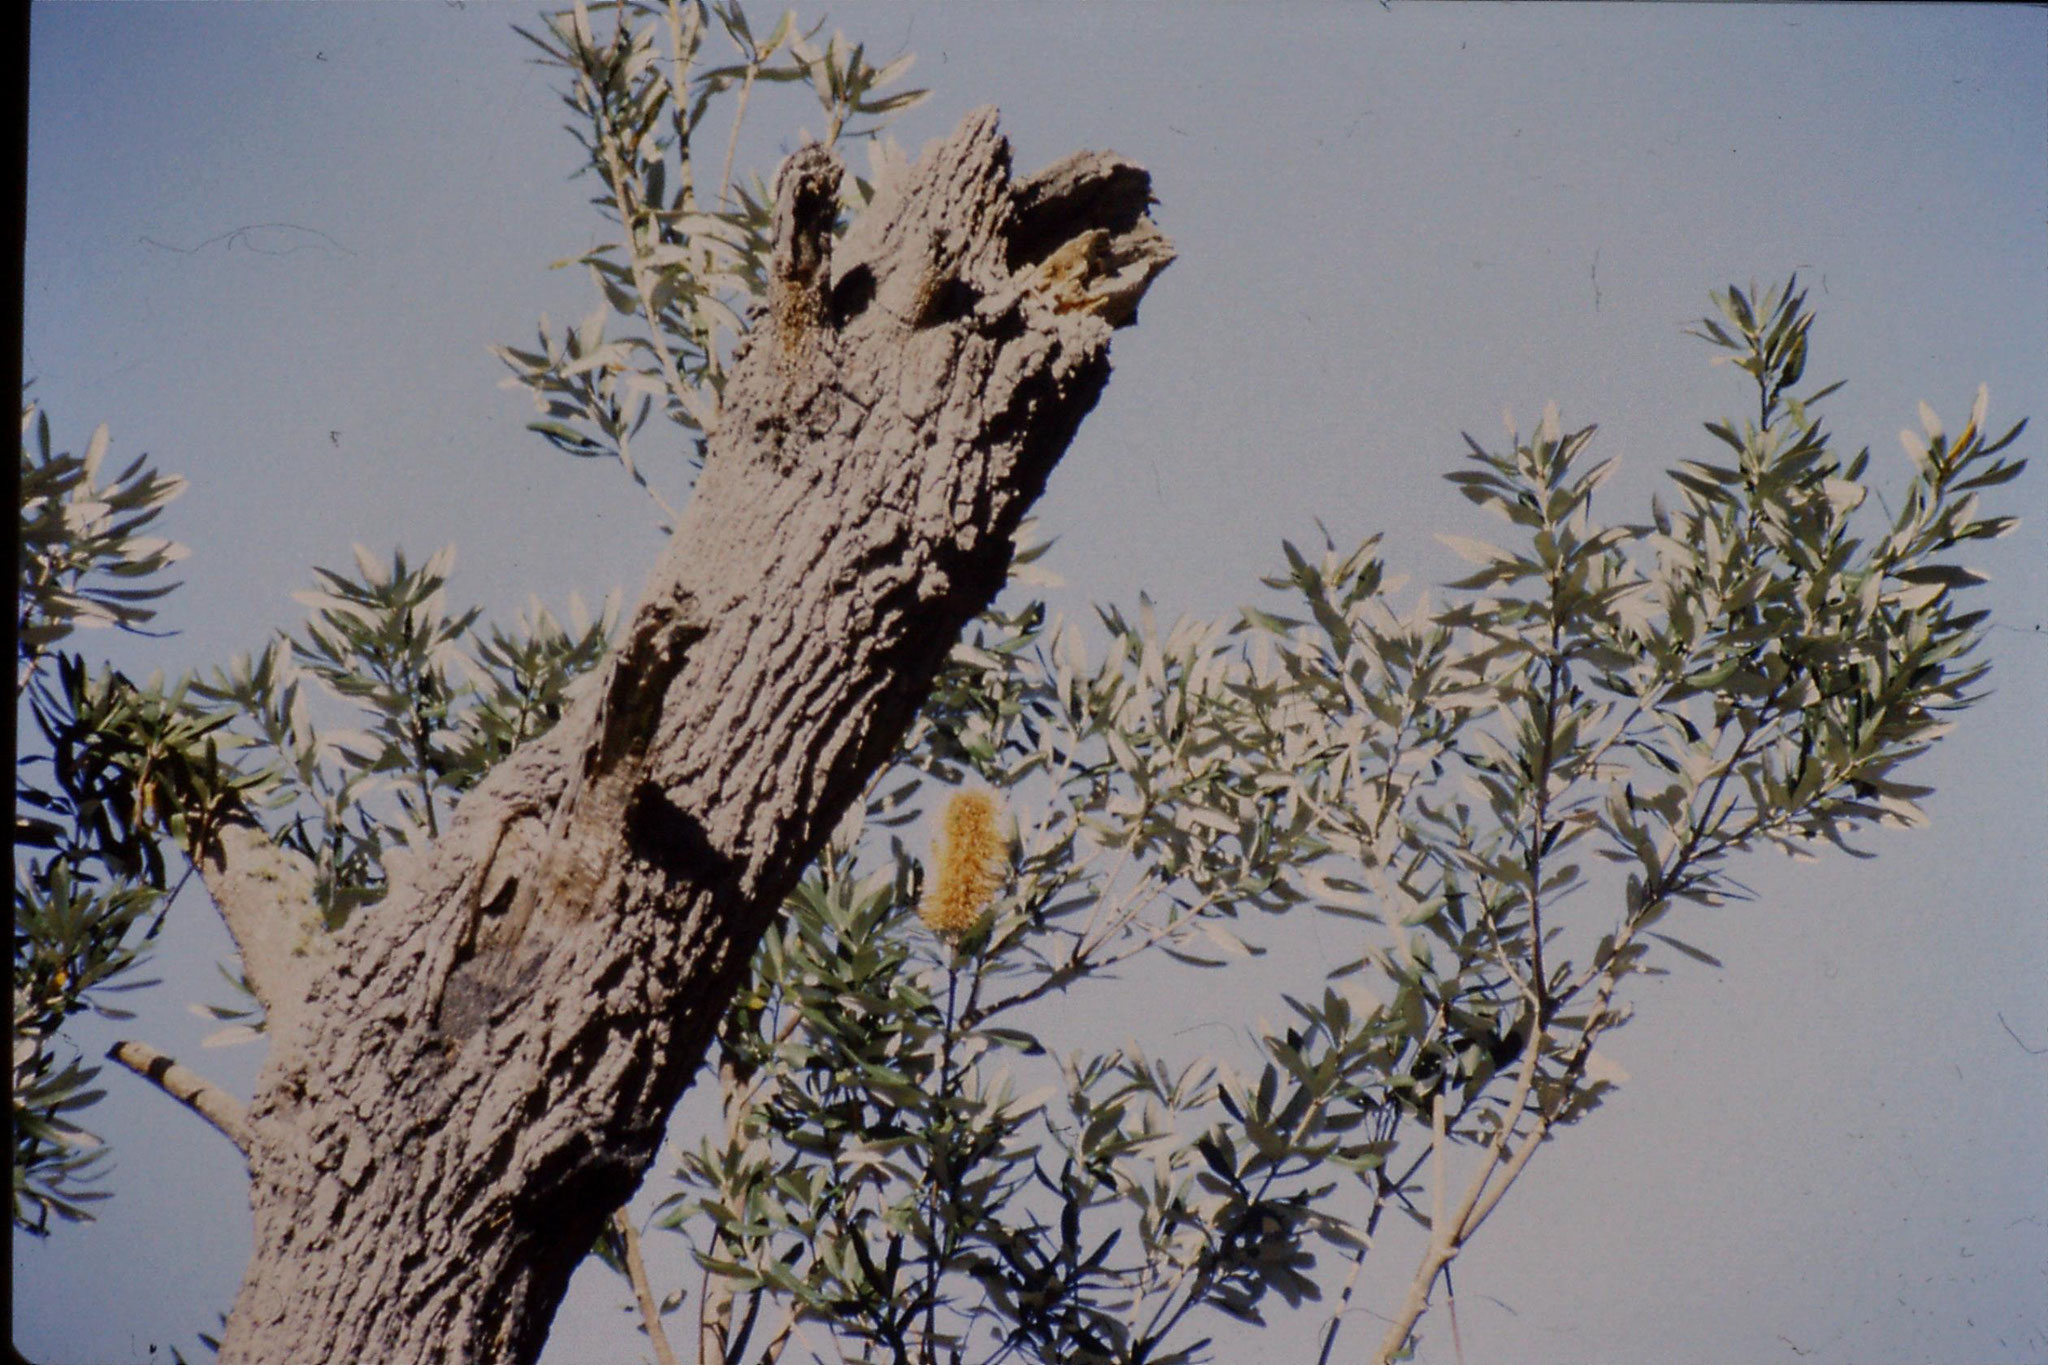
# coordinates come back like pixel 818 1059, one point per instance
pixel 967 865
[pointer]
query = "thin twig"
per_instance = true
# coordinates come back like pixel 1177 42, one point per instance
pixel 1439 1179
pixel 944 1185
pixel 739 115
pixel 1451 1305
pixel 683 37
pixel 776 1344
pixel 1079 965
pixel 643 1292
pixel 1381 1188
pixel 2030 1051
pixel 189 1088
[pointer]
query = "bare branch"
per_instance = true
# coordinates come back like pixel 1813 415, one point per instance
pixel 188 1087
pixel 643 1292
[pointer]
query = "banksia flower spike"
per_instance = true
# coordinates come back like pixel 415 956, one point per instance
pixel 967 866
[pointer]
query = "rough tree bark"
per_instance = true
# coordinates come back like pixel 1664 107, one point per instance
pixel 464 1086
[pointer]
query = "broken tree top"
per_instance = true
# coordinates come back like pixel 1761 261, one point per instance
pixel 465 1079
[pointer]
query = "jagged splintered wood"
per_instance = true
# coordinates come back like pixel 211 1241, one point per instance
pixel 468 1080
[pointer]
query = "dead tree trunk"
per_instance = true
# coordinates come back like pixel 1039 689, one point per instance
pixel 464 1086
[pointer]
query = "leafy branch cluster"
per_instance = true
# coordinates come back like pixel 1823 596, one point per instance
pixel 1750 667
pixel 437 702
pixel 878 1169
pixel 692 260
pixel 1507 795
pixel 126 773
pixel 915 1156
pixel 423 703
pixel 90 885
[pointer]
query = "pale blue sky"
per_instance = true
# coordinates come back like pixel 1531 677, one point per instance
pixel 1394 224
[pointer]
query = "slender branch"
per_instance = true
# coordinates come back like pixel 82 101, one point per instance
pixel 189 1088
pixel 1439 1179
pixel 625 443
pixel 1540 835
pixel 714 1315
pixel 1056 782
pixel 1399 1189
pixel 1508 1175
pixel 643 1292
pixel 1500 955
pixel 643 286
pixel 1082 947
pixel 1381 1187
pixel 156 922
pixel 1442 1247
pixel 1164 1321
pixel 1077 968
pixel 739 114
pixel 736 1346
pixel 684 35
pixel 1451 1305
pixel 773 1351
pixel 1080 963
pixel 738 1104
pixel 943 1186
pixel 422 759
pixel 1691 849
pixel 754 59
pixel 1448 1234
pixel 716 1340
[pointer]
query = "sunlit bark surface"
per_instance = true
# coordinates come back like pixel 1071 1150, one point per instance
pixel 464 1086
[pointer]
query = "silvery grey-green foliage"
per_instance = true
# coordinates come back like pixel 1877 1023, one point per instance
pixel 85 560
pixel 901 1160
pixel 902 1165
pixel 122 768
pixel 1508 794
pixel 1751 666
pixel 694 255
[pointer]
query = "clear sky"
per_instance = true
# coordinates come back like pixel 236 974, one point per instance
pixel 269 244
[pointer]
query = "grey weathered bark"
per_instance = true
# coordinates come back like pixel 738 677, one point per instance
pixel 463 1088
